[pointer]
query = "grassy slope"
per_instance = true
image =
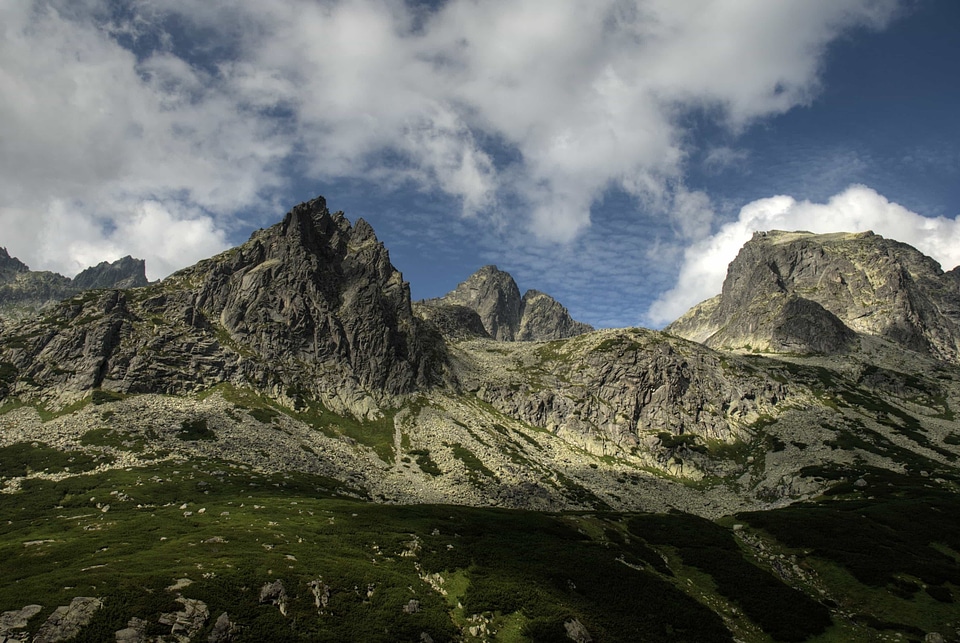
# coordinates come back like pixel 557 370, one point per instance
pixel 519 575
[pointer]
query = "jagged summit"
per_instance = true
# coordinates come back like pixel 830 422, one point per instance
pixel 24 292
pixel 803 292
pixel 10 266
pixel 125 272
pixel 308 308
pixel 506 316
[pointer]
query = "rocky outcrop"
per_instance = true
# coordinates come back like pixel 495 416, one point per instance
pixel 806 293
pixel 122 273
pixel 543 318
pixel 504 314
pixel 455 322
pixel 275 594
pixel 494 296
pixel 10 266
pixel 310 308
pixel 16 620
pixel 614 391
pixel 24 292
pixel 67 620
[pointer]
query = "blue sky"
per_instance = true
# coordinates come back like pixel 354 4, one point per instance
pixel 614 153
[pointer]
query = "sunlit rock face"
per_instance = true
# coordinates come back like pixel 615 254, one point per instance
pixel 797 292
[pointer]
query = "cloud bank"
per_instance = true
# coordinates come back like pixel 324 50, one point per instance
pixel 856 209
pixel 128 117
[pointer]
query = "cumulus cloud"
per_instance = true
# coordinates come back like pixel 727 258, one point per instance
pixel 856 209
pixel 544 105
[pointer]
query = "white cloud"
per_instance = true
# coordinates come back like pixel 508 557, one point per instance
pixel 856 209
pixel 580 95
pixel 92 137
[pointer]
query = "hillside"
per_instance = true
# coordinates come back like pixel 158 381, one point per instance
pixel 287 398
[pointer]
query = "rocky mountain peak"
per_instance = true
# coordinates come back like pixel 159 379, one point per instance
pixel 310 308
pixel 10 266
pixel 24 292
pixel 506 316
pixel 543 318
pixel 126 272
pixel 494 295
pixel 842 283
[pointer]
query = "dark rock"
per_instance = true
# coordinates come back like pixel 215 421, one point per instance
pixel 275 594
pixel 544 318
pixel 17 619
pixel 494 295
pixel 576 631
pixel 10 266
pixel 310 308
pixel 453 321
pixel 122 273
pixel 24 292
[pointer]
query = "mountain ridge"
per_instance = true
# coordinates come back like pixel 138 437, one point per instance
pixel 282 416
pixel 311 316
pixel 25 292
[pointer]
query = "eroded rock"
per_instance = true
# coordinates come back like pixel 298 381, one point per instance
pixel 67 620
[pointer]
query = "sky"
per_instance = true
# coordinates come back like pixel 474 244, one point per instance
pixel 613 153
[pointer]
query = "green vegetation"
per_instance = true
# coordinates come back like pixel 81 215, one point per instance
pixel 475 466
pixel 125 536
pixel 426 464
pixel 687 441
pixel 551 351
pixel 100 396
pixel 620 344
pixel 24 458
pixel 8 372
pixel 783 612
pixel 192 430
pixel 892 560
pixel 117 439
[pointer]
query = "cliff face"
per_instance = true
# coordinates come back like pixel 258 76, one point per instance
pixel 504 314
pixel 311 307
pixel 806 293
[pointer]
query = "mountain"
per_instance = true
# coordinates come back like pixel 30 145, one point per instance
pixel 311 307
pixel 806 293
pixel 504 314
pixel 125 272
pixel 24 292
pixel 277 443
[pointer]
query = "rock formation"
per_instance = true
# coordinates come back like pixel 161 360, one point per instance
pixel 543 318
pixel 126 272
pixel 797 292
pixel 309 308
pixel 506 316
pixel 24 292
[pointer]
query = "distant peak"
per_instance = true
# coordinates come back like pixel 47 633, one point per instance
pixel 11 264
pixel 494 296
pixel 126 272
